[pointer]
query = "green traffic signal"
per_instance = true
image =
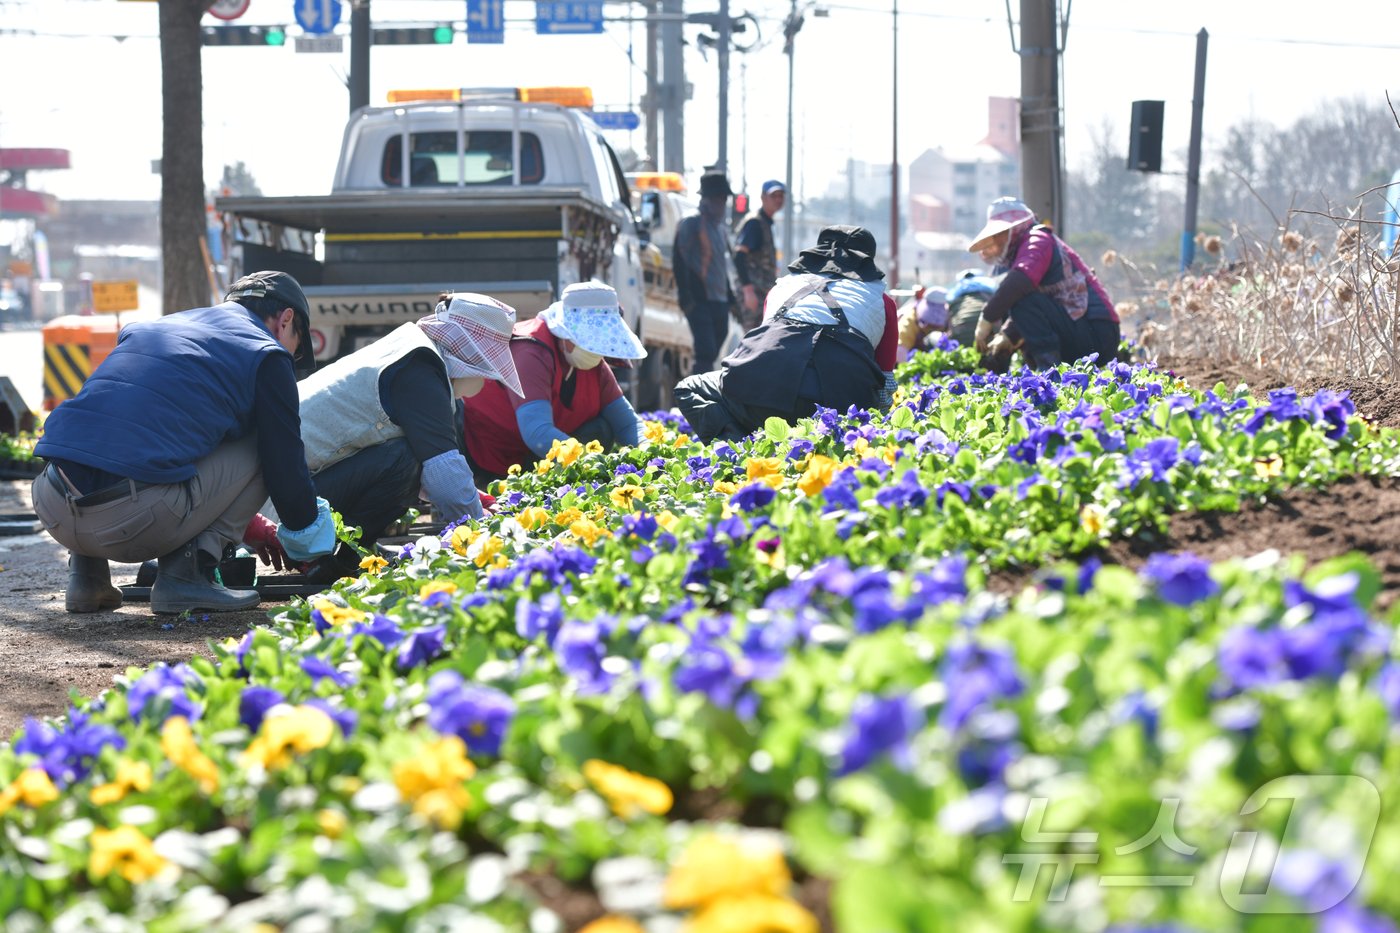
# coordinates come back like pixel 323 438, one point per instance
pixel 442 35
pixel 275 36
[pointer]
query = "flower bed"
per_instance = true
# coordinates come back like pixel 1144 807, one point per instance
pixel 742 685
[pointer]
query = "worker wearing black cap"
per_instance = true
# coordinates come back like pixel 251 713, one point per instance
pixel 702 259
pixel 173 444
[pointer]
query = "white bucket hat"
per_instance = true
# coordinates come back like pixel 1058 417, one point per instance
pixel 1003 214
pixel 473 333
pixel 588 314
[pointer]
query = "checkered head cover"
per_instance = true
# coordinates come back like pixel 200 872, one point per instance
pixel 473 333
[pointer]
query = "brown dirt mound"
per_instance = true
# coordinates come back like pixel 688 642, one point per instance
pixel 1377 399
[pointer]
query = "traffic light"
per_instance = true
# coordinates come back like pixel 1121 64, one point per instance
pixel 415 35
pixel 741 206
pixel 243 35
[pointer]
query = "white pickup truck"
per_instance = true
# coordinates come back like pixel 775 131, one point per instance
pixel 510 192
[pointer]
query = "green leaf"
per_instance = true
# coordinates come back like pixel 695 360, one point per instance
pixel 777 430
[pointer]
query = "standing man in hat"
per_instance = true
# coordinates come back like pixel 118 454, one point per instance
pixel 755 255
pixel 379 424
pixel 567 388
pixel 702 259
pixel 1048 297
pixel 173 444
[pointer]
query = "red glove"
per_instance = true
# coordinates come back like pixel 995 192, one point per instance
pixel 488 503
pixel 261 536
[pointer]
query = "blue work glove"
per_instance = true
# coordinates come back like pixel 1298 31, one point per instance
pixel 315 540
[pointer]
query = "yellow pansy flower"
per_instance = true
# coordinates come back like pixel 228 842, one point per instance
pixel 513 470
pixel 1093 518
pixel 752 913
pixel 759 467
pixel 565 451
pixel 715 866
pixel 613 924
pixel 532 517
pixel 544 466
pixel 628 793
pixel 462 538
pixel 299 730
pixel 432 781
pixel 178 744
pixel 682 440
pixel 436 586
pixel 567 517
pixel 820 472
pixel 131 776
pixel 1268 467
pixel 593 447
pixel 625 495
pixel 588 531
pixel 32 787
pixel 490 547
pixel 125 850
pixel 654 431
pixel 726 488
pixel 331 823
pixel 337 615
pixel 668 520
pixel 373 563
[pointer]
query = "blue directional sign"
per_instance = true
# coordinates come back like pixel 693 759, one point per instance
pixel 317 17
pixel 486 21
pixel 562 17
pixel 615 119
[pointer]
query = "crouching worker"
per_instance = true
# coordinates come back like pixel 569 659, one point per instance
pixel 568 389
pixel 921 318
pixel 829 338
pixel 175 441
pixel 379 424
pixel 1048 298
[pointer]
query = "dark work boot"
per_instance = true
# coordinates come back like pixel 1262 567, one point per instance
pixel 185 583
pixel 90 586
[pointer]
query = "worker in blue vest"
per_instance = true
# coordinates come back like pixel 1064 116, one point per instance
pixel 173 444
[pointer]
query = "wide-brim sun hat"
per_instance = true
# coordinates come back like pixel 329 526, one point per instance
pixel 1003 214
pixel 473 333
pixel 841 251
pixel 588 314
pixel 932 309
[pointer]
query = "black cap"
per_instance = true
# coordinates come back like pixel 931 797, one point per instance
pixel 282 287
pixel 713 184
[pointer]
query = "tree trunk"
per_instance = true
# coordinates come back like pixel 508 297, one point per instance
pixel 182 223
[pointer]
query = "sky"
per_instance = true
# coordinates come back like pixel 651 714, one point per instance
pixel 66 81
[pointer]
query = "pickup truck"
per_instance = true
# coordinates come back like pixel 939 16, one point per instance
pixel 510 192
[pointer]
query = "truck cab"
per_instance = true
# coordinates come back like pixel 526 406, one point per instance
pixel 512 192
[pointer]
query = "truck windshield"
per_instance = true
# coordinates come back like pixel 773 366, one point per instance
pixel 433 159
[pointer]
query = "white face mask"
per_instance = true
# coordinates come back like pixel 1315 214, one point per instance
pixel 582 359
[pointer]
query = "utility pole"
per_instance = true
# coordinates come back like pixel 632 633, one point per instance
pixel 1193 158
pixel 790 30
pixel 360 39
pixel 1040 112
pixel 893 278
pixel 724 28
pixel 673 78
pixel 653 86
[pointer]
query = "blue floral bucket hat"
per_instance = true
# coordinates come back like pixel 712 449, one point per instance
pixel 589 315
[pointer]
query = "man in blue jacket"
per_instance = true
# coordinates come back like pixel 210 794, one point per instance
pixel 174 443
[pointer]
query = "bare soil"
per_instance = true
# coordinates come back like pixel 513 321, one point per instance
pixel 45 653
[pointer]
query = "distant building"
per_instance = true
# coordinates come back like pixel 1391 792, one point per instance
pixel 949 189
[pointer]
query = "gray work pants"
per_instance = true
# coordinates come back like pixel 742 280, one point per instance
pixel 213 508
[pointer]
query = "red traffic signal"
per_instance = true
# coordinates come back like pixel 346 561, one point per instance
pixel 741 203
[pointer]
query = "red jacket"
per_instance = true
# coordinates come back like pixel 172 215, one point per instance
pixel 489 426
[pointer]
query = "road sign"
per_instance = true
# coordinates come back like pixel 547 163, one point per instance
pixel 317 17
pixel 486 21
pixel 563 17
pixel 615 119
pixel 110 297
pixel 319 44
pixel 229 9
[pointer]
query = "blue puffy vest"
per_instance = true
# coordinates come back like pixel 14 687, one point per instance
pixel 169 393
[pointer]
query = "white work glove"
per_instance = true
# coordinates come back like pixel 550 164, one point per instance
pixel 985 330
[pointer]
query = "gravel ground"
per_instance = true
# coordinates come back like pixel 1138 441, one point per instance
pixel 46 654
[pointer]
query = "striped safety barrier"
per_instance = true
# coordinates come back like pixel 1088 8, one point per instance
pixel 74 345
